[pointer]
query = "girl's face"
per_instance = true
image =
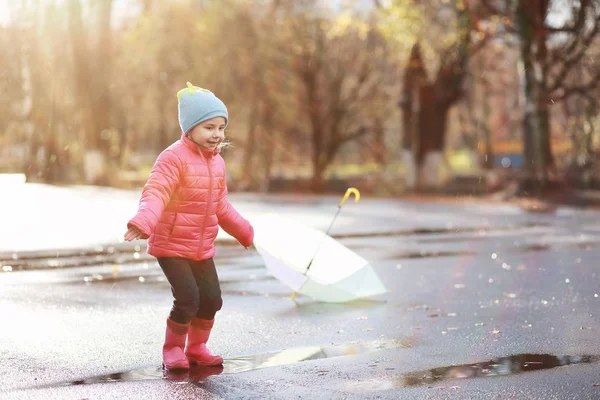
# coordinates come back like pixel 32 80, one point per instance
pixel 209 134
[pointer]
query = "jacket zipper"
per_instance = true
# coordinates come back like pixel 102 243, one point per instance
pixel 208 203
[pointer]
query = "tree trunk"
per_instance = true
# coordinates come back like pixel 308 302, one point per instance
pixel 433 118
pixel 317 182
pixel 487 129
pixel 536 126
pixel 410 105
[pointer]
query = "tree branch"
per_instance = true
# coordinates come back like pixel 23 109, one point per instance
pixel 583 90
pixel 570 62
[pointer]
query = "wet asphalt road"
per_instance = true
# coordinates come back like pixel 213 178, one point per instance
pixel 506 297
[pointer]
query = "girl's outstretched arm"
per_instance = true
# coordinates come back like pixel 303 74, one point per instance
pixel 157 191
pixel 232 222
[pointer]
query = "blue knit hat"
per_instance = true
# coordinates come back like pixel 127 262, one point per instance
pixel 197 105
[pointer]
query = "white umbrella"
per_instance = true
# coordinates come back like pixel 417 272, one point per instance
pixel 313 263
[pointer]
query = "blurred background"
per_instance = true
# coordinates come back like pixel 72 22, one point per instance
pixel 390 96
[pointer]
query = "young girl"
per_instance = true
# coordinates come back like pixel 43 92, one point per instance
pixel 182 205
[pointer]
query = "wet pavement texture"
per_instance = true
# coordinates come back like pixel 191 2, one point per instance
pixel 486 302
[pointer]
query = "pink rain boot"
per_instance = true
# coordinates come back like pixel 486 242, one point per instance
pixel 173 355
pixel 196 350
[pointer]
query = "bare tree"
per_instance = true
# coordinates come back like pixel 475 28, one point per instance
pixel 338 82
pixel 549 55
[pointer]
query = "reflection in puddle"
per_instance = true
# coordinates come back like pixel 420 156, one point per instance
pixel 503 366
pixel 292 356
pixel 511 365
pixel 195 373
pixel 245 363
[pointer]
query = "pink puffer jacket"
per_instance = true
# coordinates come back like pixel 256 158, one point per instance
pixel 184 202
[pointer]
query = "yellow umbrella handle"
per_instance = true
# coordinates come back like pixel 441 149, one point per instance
pixel 350 191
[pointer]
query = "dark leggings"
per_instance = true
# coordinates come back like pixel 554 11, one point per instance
pixel 195 287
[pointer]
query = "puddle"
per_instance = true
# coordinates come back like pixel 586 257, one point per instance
pixel 504 366
pixel 244 363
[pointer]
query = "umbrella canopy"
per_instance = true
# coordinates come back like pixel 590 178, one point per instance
pixel 337 274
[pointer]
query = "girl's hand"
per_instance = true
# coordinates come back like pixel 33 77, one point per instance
pixel 134 233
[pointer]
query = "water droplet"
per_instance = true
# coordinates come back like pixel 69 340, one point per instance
pixel 136 248
pixel 512 295
pixel 136 255
pixel 567 280
pixel 142 279
pixel 399 266
pixel 459 286
pixel 506 266
pixel 544 302
pixel 491 280
pixel 494 256
pixel 8 268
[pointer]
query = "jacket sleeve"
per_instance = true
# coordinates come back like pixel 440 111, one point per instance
pixel 232 222
pixel 157 192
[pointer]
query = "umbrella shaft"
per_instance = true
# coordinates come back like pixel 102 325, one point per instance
pixel 333 220
pixel 324 237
